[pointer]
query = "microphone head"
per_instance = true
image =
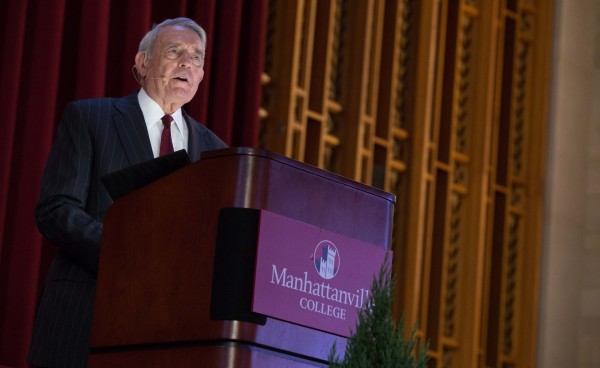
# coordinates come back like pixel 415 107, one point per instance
pixel 163 78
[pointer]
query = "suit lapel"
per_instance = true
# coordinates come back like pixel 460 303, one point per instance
pixel 132 131
pixel 194 146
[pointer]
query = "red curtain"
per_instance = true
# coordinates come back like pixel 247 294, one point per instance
pixel 60 50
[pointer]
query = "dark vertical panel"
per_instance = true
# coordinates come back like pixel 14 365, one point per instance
pixel 448 83
pixel 437 260
pixel 506 103
pixel 493 323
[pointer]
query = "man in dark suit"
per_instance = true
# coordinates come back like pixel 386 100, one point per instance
pixel 96 137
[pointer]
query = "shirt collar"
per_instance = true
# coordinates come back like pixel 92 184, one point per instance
pixel 153 112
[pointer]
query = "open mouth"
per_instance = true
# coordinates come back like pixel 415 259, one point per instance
pixel 183 79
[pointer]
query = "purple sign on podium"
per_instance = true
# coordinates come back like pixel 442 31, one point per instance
pixel 311 276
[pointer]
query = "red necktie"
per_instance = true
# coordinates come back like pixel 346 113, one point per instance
pixel 166 145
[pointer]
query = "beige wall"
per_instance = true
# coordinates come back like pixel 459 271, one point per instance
pixel 569 334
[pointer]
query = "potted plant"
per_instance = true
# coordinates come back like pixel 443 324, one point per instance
pixel 378 341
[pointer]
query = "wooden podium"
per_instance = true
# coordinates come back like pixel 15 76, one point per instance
pixel 160 300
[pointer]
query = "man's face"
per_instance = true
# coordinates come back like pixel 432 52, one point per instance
pixel 172 75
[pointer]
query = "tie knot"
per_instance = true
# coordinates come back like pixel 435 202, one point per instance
pixel 167 119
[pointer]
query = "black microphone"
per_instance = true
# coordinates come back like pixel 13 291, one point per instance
pixel 163 78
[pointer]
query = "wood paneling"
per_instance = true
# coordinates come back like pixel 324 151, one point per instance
pixel 442 103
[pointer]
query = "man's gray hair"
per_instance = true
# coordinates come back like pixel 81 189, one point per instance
pixel 147 43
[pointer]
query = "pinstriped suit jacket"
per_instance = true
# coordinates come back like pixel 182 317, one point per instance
pixel 95 137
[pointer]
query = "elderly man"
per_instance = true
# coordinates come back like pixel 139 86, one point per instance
pixel 96 137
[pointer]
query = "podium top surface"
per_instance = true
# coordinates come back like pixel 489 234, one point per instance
pixel 261 153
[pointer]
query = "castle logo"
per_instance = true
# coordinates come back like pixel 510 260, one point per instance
pixel 326 259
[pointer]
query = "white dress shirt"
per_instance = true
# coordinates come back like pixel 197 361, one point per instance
pixel 153 114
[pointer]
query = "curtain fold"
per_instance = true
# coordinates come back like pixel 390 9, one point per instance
pixel 92 49
pixel 252 54
pixel 33 126
pixel 61 50
pixel 224 70
pixel 13 35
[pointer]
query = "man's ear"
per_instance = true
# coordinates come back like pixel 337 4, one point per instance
pixel 140 64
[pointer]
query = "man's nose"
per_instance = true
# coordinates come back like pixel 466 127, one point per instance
pixel 186 59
